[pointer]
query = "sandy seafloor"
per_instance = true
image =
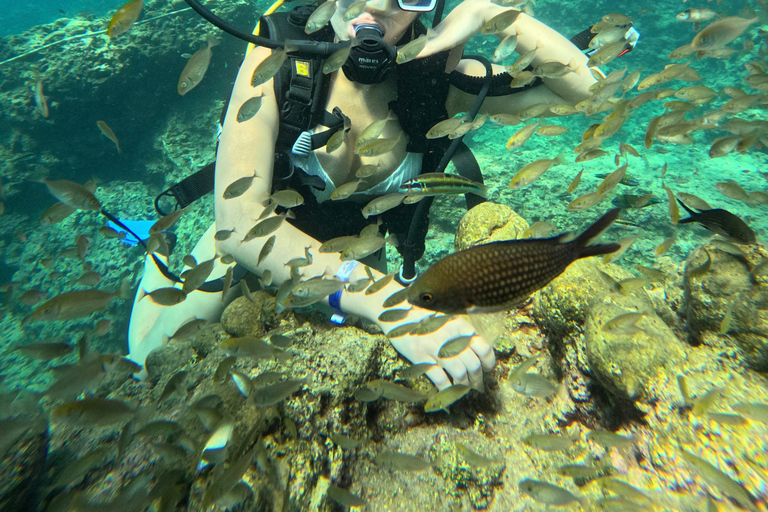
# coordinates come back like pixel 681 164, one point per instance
pixel 165 148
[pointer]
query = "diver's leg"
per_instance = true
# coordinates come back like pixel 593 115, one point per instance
pixel 151 324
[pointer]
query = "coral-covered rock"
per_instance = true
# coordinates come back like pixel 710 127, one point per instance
pixel 23 450
pixel 561 306
pixel 625 363
pixel 730 300
pixel 488 222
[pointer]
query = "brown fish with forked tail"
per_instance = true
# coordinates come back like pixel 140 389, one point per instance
pixel 492 277
pixel 198 63
pixel 722 222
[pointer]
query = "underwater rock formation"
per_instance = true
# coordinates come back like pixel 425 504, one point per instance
pixel 488 222
pixel 625 363
pixel 728 301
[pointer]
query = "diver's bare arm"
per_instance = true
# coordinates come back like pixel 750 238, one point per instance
pixel 553 46
pixel 247 147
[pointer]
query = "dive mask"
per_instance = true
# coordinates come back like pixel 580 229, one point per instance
pixel 405 5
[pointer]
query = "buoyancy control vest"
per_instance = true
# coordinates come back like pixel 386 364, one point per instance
pixel 302 91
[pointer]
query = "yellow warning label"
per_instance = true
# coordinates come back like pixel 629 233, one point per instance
pixel 302 67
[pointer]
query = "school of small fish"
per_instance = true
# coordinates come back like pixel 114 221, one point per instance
pixel 457 284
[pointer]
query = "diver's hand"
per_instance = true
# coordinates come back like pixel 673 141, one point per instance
pixel 463 22
pixel 466 368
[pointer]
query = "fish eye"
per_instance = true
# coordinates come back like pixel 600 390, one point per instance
pixel 426 297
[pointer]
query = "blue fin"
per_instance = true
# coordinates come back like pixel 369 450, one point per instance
pixel 140 227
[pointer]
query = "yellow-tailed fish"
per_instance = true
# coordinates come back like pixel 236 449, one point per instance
pixel 696 14
pixel 382 204
pixel 575 183
pixel 196 66
pixel 378 147
pixel 71 194
pixel 373 130
pixel 264 227
pixel 354 10
pixel 674 211
pixel 124 18
pixel 612 180
pixel 547 493
pixel 320 17
pixel 409 52
pixel 239 186
pixel 272 64
pixel 721 32
pixel 165 222
pixel 443 128
pixel 500 22
pixel 108 133
pixel 337 58
pixel 533 171
pixel 506 48
pixel 521 136
pixel 249 108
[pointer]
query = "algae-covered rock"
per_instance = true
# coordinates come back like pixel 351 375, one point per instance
pixel 626 363
pixel 729 299
pixel 561 306
pixel 167 360
pixel 473 473
pixel 22 468
pixel 251 318
pixel 488 222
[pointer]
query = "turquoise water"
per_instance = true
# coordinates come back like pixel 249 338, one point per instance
pixel 708 328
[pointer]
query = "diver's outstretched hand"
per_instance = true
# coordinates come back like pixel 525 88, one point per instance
pixel 466 368
pixel 460 25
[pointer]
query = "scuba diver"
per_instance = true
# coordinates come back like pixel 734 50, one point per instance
pixel 283 146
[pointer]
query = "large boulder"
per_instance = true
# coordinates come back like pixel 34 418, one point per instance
pixel 729 301
pixel 626 363
pixel 489 222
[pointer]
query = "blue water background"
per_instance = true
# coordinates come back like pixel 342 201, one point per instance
pixel 20 16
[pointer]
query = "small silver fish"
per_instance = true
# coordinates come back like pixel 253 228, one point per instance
pixel 249 109
pixel 196 66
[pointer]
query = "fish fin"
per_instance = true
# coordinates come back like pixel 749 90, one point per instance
pixel 561 158
pixel 593 232
pixel 212 41
pixel 488 325
pixel 392 240
pixel 690 212
pixel 124 292
pixel 289 46
pixel 482 191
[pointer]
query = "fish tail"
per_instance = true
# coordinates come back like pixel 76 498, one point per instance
pixel 592 232
pixel 690 212
pixel 124 292
pixel 482 191
pixel 212 41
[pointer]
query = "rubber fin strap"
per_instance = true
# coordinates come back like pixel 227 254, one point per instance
pixel 212 286
pixel 421 215
pixel 189 190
